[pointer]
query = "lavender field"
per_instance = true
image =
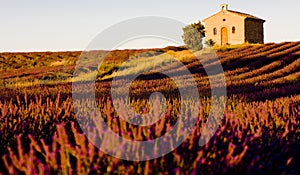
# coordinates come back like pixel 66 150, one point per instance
pixel 259 132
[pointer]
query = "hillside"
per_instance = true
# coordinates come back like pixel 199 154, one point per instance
pixel 257 71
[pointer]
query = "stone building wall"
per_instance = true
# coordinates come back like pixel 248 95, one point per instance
pixel 230 21
pixel 254 31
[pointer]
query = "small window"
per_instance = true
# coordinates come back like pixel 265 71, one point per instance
pixel 233 29
pixel 215 31
pixel 224 19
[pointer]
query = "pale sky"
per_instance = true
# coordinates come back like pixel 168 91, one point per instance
pixel 60 25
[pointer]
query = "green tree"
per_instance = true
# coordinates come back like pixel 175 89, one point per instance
pixel 193 35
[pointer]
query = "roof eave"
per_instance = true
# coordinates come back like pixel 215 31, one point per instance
pixel 239 15
pixel 257 19
pixel 205 19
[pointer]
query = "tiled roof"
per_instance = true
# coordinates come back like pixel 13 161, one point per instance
pixel 245 15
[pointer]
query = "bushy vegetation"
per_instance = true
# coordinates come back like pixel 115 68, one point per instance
pixel 193 35
pixel 42 136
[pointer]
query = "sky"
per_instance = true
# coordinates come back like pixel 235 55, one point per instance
pixel 62 25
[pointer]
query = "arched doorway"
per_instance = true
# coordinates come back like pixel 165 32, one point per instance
pixel 224 36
